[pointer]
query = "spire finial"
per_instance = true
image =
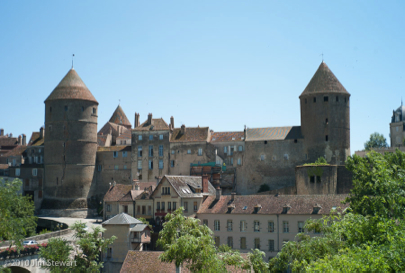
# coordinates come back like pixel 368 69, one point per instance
pixel 322 56
pixel 72 59
pixel 119 101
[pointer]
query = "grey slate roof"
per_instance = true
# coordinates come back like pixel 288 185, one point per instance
pixel 122 219
pixel 139 227
pixel 184 185
pixel 273 133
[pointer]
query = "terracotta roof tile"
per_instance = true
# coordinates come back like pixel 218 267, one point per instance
pixel 299 204
pixel 71 87
pixel 158 124
pixel 185 185
pixel 192 134
pixel 114 129
pixel 125 135
pixel 3 166
pixel 274 133
pixel 8 141
pixel 324 81
pixel 16 151
pixel 119 117
pixel 227 136
pixel 115 193
pixel 101 139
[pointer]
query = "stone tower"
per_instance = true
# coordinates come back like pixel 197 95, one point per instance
pixel 325 118
pixel 397 127
pixel 70 144
pixel 119 117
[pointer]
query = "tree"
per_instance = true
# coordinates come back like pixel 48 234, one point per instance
pixel 56 255
pixel 86 253
pixel 16 213
pixel 264 188
pixel 376 141
pixel 186 242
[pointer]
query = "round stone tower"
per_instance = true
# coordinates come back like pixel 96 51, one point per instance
pixel 325 118
pixel 70 144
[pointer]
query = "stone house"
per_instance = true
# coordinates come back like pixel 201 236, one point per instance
pixel 131 234
pixel 397 127
pixel 265 222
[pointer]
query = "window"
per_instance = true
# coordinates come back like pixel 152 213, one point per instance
pixel 125 167
pixel 230 242
pixel 314 99
pixel 94 110
pixel 165 190
pixel 108 207
pixel 257 243
pixel 205 222
pixel 139 165
pixel 286 228
pixel 124 154
pixel 337 99
pixel 173 152
pixel 82 109
pixel 271 245
pixel 300 226
pixel 231 161
pixel 326 138
pixel 158 206
pixel 160 137
pixel 115 167
pixel 217 242
pixel 150 164
pixel 270 227
pixel 115 154
pixel 139 151
pixel 189 151
pixel 261 157
pixel 17 172
pixel 326 121
pixel 240 148
pixel 138 210
pixel 243 225
pixel 160 164
pixel 217 226
pixel 34 172
pixel 163 206
pixel 312 179
pixel 150 150
pixel 199 151
pixel 109 252
pixel 256 226
pixel 185 206
pixel 172 163
pixel 195 206
pixel 229 225
pixel 66 108
pixel 169 205
pixel 149 210
pixel 160 150
pixel 139 137
pixel 243 243
pixel 150 137
pixel 325 98
pixel 239 161
pixel 125 208
pixel 174 206
pixel 318 179
pixel 27 182
pixel 99 168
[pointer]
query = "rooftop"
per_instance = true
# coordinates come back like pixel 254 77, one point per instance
pixel 158 124
pixel 227 136
pixel 185 185
pixel 119 117
pixel 191 134
pixel 273 133
pixel 122 219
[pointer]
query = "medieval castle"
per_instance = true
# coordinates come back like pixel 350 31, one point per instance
pixel 75 165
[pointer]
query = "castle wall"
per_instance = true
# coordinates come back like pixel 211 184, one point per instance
pixel 275 170
pixel 316 179
pixel 397 134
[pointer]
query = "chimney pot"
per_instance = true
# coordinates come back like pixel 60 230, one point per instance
pixel 136 120
pixel 183 129
pixel 41 132
pixel 205 183
pixel 172 121
pixel 24 139
pixel 2 132
pixel 19 140
pixel 150 119
pixel 218 193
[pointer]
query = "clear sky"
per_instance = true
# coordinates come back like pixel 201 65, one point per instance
pixel 222 64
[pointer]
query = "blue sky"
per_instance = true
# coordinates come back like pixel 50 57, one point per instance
pixel 222 64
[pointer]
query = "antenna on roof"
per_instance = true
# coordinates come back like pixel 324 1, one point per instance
pixel 72 59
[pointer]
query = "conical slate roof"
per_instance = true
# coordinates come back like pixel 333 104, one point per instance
pixel 71 87
pixel 119 117
pixel 122 219
pixel 324 81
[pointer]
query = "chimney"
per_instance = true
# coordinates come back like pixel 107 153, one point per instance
pixel 135 185
pixel 24 139
pixel 183 129
pixel 2 132
pixel 204 183
pixel 233 196
pixel 244 133
pixel 10 135
pixel 150 119
pixel 219 193
pixel 157 180
pixel 41 132
pixel 19 140
pixel 136 120
pixel 172 121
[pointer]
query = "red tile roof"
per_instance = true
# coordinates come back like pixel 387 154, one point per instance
pixel 273 133
pixel 324 81
pixel 16 151
pixel 115 193
pixel 119 117
pixel 71 87
pixel 35 139
pixel 191 134
pixel 227 136
pixel 114 129
pixel 271 204
pixel 8 141
pixel 158 124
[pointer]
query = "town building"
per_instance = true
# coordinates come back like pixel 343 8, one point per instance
pixel 397 127
pixel 131 234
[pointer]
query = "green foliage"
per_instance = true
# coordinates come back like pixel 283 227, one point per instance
pixel 319 162
pixel 44 231
pixel 57 250
pixel 186 242
pixel 87 250
pixel 257 262
pixel 264 188
pixel 146 222
pixel 376 141
pixel 16 213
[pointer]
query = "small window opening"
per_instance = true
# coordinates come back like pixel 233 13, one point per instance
pixel 337 99
pixel 265 142
pixel 82 108
pixel 318 179
pixel 295 140
pixel 312 179
pixel 314 99
pixel 325 98
pixel 345 99
pixel 94 110
pixel 326 138
pixel 66 107
pixel 326 121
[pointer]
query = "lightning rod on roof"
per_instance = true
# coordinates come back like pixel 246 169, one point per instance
pixel 322 56
pixel 72 59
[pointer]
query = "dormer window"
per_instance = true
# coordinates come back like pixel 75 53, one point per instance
pixel 316 209
pixel 230 208
pixel 257 208
pixel 286 208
